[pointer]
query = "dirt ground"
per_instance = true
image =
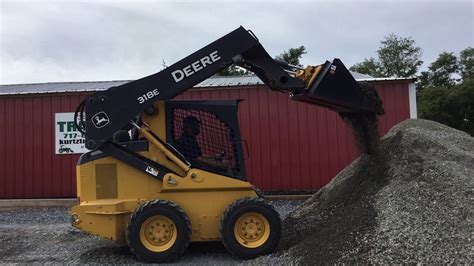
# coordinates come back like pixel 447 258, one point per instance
pixel 44 235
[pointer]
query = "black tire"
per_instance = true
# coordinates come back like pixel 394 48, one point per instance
pixel 244 208
pixel 144 217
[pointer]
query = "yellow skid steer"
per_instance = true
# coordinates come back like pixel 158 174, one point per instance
pixel 163 173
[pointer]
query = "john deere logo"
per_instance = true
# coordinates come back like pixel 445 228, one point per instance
pixel 100 119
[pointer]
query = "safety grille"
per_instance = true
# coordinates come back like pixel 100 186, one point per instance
pixel 206 141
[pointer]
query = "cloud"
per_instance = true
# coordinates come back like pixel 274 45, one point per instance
pixel 56 41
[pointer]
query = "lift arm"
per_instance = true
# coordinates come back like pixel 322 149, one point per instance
pixel 330 84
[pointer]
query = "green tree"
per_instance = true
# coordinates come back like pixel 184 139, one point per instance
pixel 448 70
pixel 432 104
pixel 399 57
pixel 396 57
pixel 466 63
pixel 423 80
pixel 451 106
pixel 368 66
pixel 441 73
pixel 446 90
pixel 292 55
pixel 460 105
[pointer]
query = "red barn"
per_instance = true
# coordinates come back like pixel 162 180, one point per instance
pixel 293 146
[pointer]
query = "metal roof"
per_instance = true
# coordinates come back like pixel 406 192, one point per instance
pixel 90 86
pixel 59 87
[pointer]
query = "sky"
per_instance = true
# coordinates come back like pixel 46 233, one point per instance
pixel 62 41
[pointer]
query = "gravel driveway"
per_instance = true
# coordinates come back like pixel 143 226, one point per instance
pixel 45 235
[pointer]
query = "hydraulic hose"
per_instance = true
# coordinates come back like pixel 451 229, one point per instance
pixel 79 119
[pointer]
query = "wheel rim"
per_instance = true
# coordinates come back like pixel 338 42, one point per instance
pixel 252 230
pixel 158 233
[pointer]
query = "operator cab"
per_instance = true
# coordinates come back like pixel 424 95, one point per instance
pixel 207 135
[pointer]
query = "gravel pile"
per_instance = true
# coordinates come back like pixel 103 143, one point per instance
pixel 364 124
pixel 44 235
pixel 409 202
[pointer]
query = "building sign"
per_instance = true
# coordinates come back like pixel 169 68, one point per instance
pixel 69 139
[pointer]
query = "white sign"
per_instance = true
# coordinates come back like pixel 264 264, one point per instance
pixel 69 139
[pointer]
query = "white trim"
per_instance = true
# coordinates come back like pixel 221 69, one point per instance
pixel 386 79
pixel 412 100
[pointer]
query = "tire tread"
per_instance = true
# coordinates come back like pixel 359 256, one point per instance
pixel 153 204
pixel 235 205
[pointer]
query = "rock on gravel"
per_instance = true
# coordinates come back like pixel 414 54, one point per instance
pixel 410 202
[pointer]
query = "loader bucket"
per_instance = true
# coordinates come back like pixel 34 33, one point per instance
pixel 334 87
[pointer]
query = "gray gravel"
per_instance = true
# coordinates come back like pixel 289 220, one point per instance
pixel 411 202
pixel 425 212
pixel 43 235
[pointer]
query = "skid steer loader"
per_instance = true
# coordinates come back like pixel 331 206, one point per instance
pixel 179 175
